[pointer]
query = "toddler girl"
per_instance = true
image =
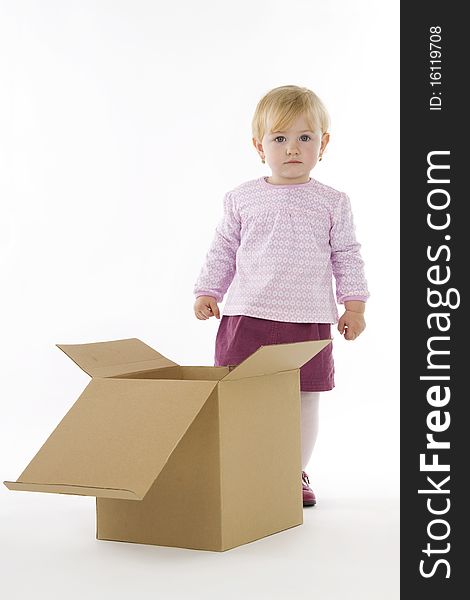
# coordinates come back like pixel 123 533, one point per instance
pixel 279 244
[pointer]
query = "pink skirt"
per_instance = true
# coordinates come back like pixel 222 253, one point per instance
pixel 239 336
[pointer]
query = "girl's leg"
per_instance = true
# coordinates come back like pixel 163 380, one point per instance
pixel 309 424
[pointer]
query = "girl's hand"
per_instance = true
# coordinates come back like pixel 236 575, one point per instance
pixel 205 307
pixel 351 324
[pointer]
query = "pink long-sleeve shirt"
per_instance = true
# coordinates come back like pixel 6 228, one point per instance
pixel 279 247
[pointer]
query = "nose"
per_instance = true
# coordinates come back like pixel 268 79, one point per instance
pixel 292 148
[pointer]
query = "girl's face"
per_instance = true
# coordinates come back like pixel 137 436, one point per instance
pixel 293 153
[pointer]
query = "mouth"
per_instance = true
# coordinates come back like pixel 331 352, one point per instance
pixel 293 162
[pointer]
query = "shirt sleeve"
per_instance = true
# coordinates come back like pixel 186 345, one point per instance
pixel 346 260
pixel 218 269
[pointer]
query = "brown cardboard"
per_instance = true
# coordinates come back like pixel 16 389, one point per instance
pixel 190 456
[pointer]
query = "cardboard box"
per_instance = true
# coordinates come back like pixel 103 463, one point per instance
pixel 191 456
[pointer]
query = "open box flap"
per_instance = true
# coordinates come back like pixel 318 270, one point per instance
pixel 116 438
pixel 118 357
pixel 276 357
pixel 72 489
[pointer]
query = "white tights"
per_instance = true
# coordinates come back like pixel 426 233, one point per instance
pixel 309 424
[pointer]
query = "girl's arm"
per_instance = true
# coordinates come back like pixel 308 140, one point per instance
pixel 218 269
pixel 348 270
pixel 355 306
pixel 346 260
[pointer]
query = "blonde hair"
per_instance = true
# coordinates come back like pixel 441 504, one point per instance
pixel 282 105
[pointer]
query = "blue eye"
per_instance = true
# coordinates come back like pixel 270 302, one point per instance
pixel 279 137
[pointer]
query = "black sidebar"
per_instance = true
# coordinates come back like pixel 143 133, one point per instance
pixel 434 259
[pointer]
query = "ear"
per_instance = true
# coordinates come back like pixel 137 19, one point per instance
pixel 258 146
pixel 324 141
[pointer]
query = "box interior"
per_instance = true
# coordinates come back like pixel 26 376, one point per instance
pixel 181 372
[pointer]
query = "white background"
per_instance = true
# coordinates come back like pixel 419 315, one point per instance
pixel 122 124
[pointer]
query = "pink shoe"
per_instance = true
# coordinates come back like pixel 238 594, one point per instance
pixel 307 492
